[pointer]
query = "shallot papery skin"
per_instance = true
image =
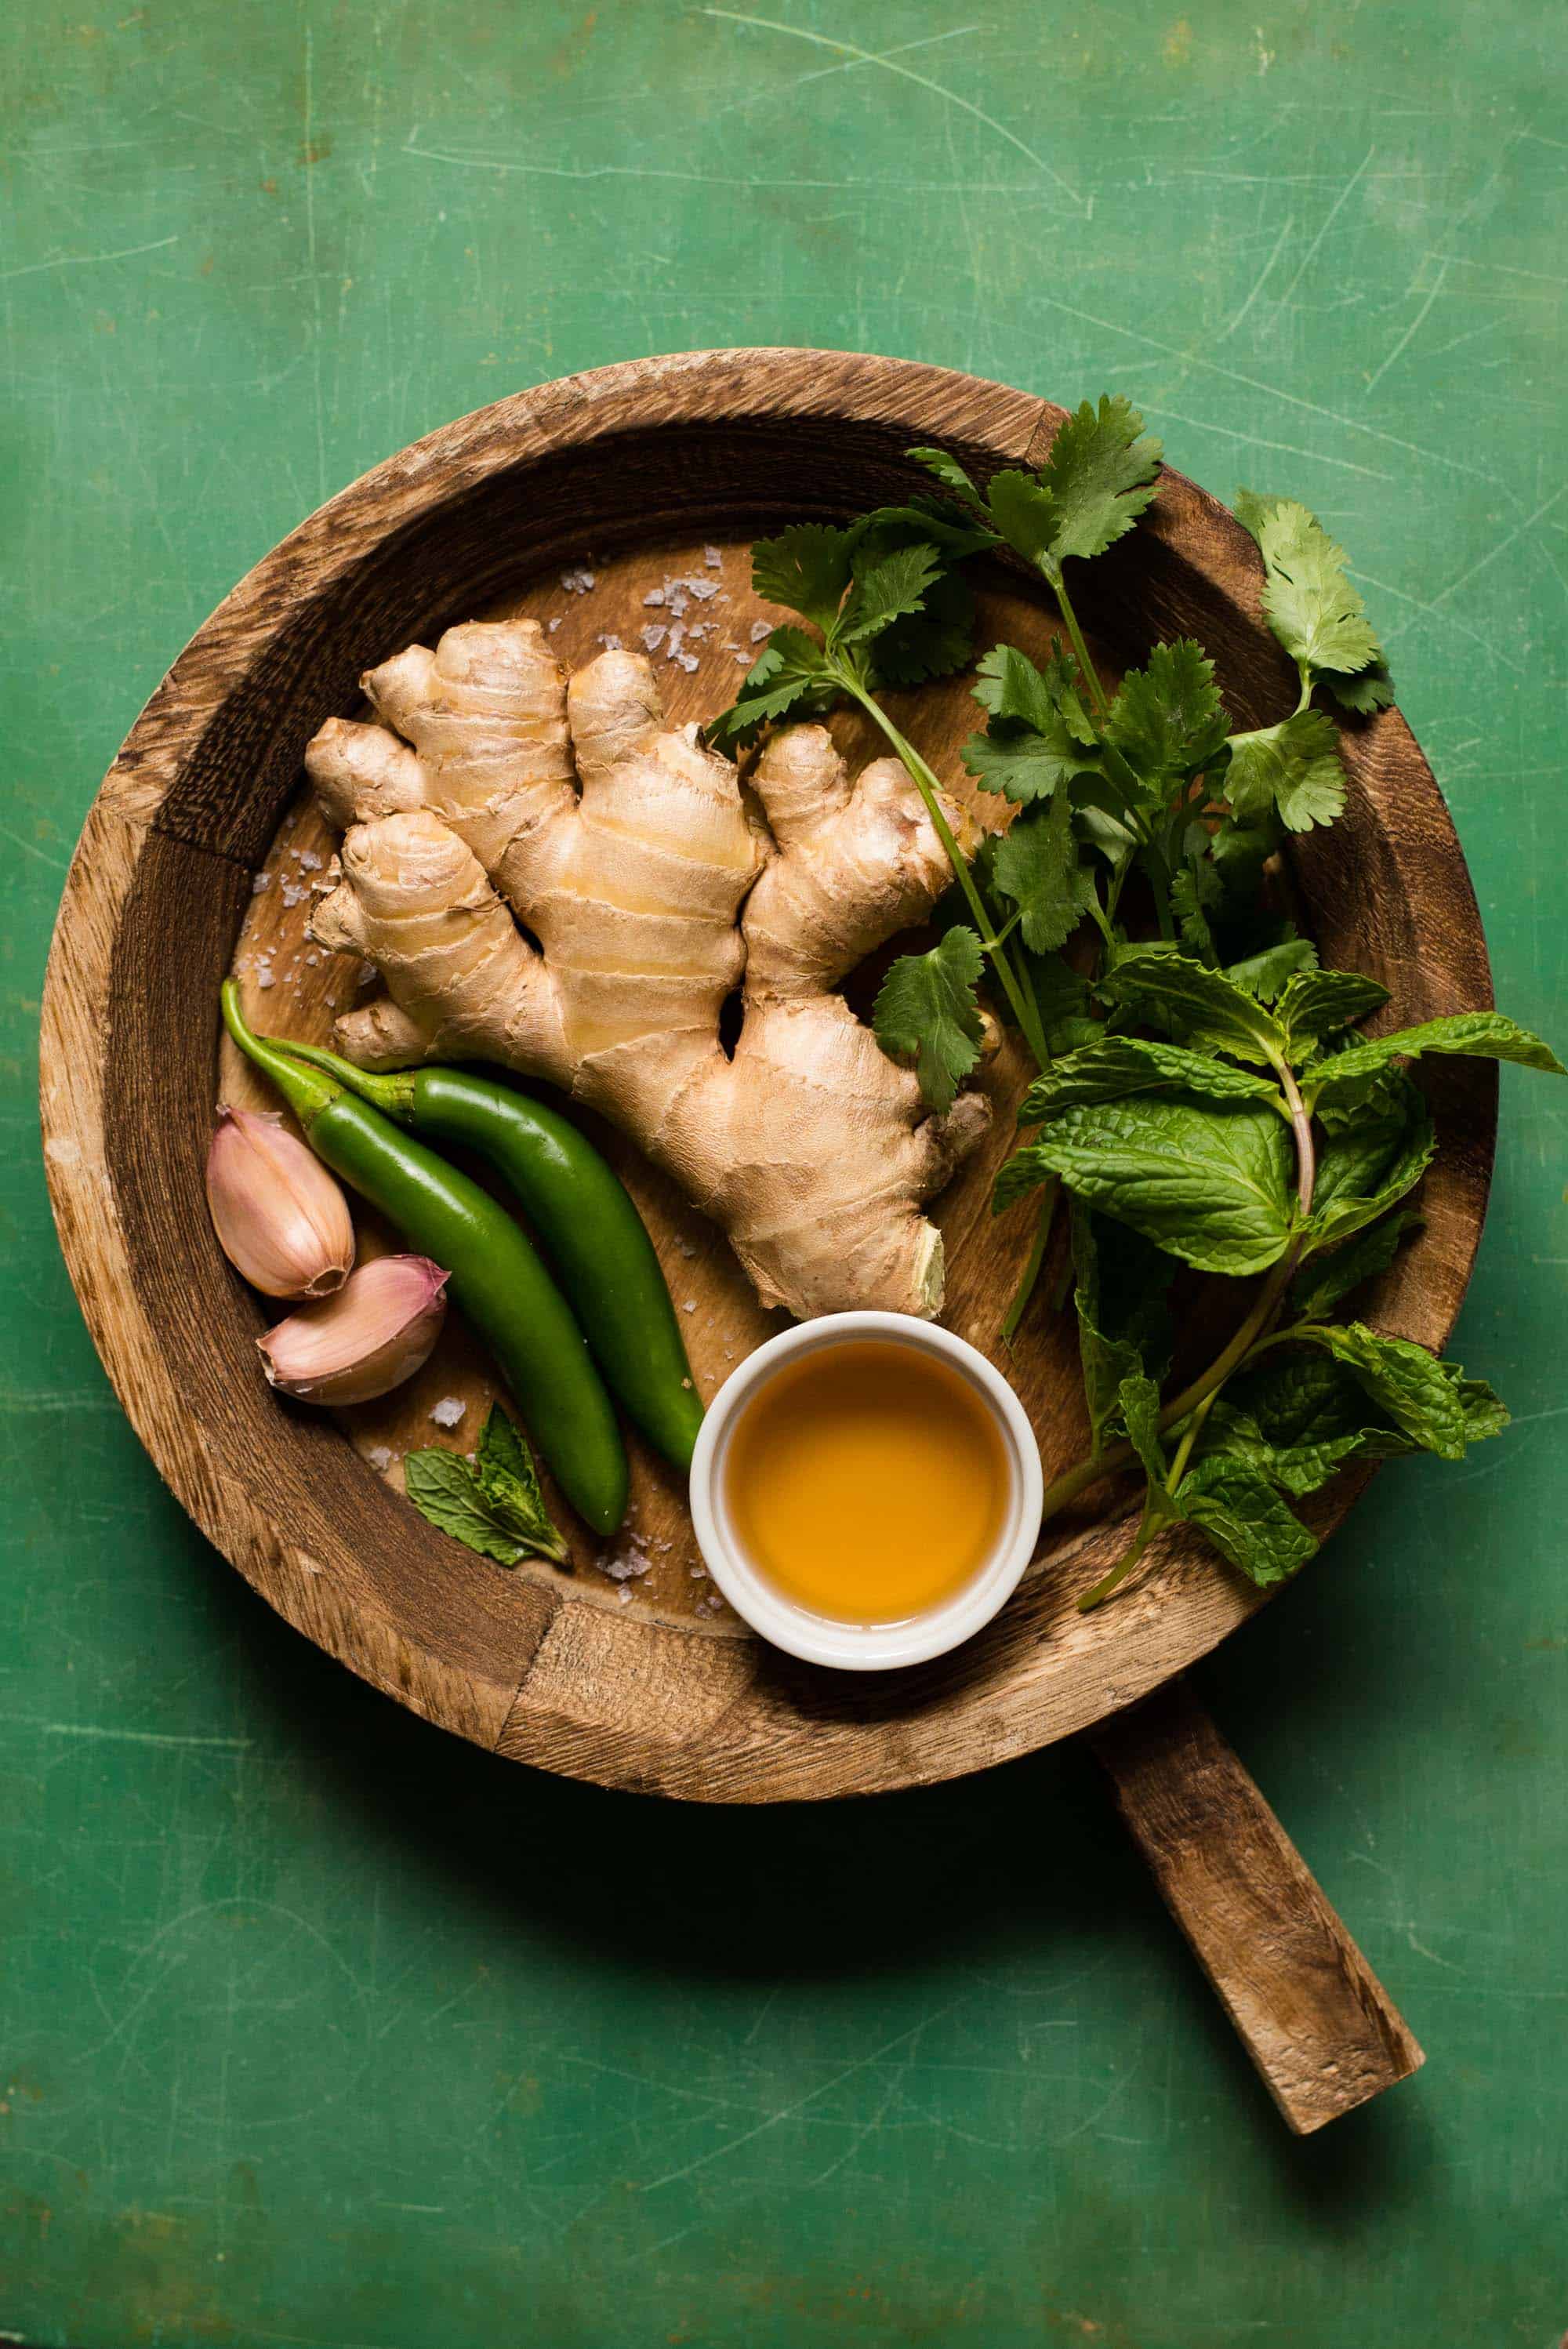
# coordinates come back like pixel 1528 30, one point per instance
pixel 375 1332
pixel 281 1218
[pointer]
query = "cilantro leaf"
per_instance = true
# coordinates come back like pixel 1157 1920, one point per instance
pixel 1317 1003
pixel 926 1013
pixel 947 471
pixel 1035 867
pixel 1206 1181
pixel 788 674
pixel 1237 1506
pixel 496 1508
pixel 1475 1035
pixel 1196 892
pixel 1040 737
pixel 1024 512
pixel 931 642
pixel 1325 1280
pixel 1365 695
pixel 1312 607
pixel 1293 768
pixel 806 568
pixel 885 591
pixel 1099 475
pixel 1167 720
pixel 1206 1008
pixel 1009 686
pixel 1116 1066
pixel 1020 765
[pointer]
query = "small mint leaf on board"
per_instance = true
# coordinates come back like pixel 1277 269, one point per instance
pixel 1299 1418
pixel 1325 1281
pixel 1475 1035
pixel 1167 720
pixel 492 1511
pixel 927 1013
pixel 1297 1469
pixel 1318 1003
pixel 1115 1066
pixel 509 1484
pixel 1101 473
pixel 1036 868
pixel 806 568
pixel 1206 1181
pixel 1312 607
pixel 1207 1010
pixel 1293 768
pixel 1248 1523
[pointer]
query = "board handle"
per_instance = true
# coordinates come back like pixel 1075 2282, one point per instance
pixel 1311 2013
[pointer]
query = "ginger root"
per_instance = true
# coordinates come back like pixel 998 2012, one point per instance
pixel 494 788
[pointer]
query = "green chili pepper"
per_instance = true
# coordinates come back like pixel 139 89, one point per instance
pixel 584 1214
pixel 497 1279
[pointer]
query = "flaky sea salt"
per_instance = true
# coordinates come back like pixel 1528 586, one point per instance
pixel 610 640
pixel 760 629
pixel 448 1411
pixel 263 881
pixel 579 582
pixel 380 1458
pixel 713 558
pixel 653 638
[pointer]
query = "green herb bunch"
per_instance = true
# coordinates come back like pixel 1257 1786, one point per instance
pixel 1203 1097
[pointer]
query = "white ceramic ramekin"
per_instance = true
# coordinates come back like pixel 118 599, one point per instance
pixel 872 1647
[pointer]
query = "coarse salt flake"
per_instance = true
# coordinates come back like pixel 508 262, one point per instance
pixel 448 1411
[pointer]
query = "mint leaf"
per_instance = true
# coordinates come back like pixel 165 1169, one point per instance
pixel 1036 867
pixel 1267 973
pixel 447 1492
pixel 1196 892
pixel 1297 1469
pixel 1206 1181
pixel 1205 1007
pixel 1115 1066
pixel 885 591
pixel 1312 607
pixel 926 1013
pixel 1476 1035
pixel 1099 476
pixel 1137 1404
pixel 806 568
pixel 1293 768
pixel 1368 1167
pixel 1167 720
pixel 1413 1388
pixel 1124 1328
pixel 1317 1003
pixel 1300 1419
pixel 1325 1280
pixel 508 1485
pixel 1245 1517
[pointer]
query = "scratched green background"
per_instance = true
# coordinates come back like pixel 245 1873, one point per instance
pixel 317 2028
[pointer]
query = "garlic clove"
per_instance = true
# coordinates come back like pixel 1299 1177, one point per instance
pixel 375 1332
pixel 281 1218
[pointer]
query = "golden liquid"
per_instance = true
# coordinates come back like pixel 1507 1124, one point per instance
pixel 868 1481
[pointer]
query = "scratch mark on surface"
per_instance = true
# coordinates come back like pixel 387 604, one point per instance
pixel 1502 547
pixel 922 81
pixel 309 168
pixel 1253 440
pixel 1263 279
pixel 56 864
pixel 164 1739
pixel 85 260
pixel 1411 331
pixel 1340 201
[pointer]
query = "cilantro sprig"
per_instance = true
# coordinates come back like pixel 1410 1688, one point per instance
pixel 1205 1099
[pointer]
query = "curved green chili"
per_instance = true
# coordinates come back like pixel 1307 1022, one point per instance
pixel 584 1214
pixel 497 1280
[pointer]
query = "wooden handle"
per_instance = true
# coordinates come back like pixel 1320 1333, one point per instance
pixel 1312 2016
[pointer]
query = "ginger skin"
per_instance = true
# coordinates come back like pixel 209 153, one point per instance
pixel 494 786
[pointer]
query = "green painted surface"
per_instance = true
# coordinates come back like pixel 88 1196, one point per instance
pixel 317 2028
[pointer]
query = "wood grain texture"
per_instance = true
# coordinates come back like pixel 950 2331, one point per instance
pixel 1314 2019
pixel 639 465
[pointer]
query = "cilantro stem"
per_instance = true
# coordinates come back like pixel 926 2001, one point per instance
pixel 926 783
pixel 1097 691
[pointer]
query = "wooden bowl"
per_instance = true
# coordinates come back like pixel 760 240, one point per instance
pixel 637 470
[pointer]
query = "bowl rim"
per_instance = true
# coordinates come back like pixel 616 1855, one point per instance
pixel 722 1727
pixel 798 1629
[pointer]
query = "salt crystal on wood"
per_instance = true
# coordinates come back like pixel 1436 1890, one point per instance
pixel 448 1411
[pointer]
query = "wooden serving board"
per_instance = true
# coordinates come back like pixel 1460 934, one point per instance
pixel 202 852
